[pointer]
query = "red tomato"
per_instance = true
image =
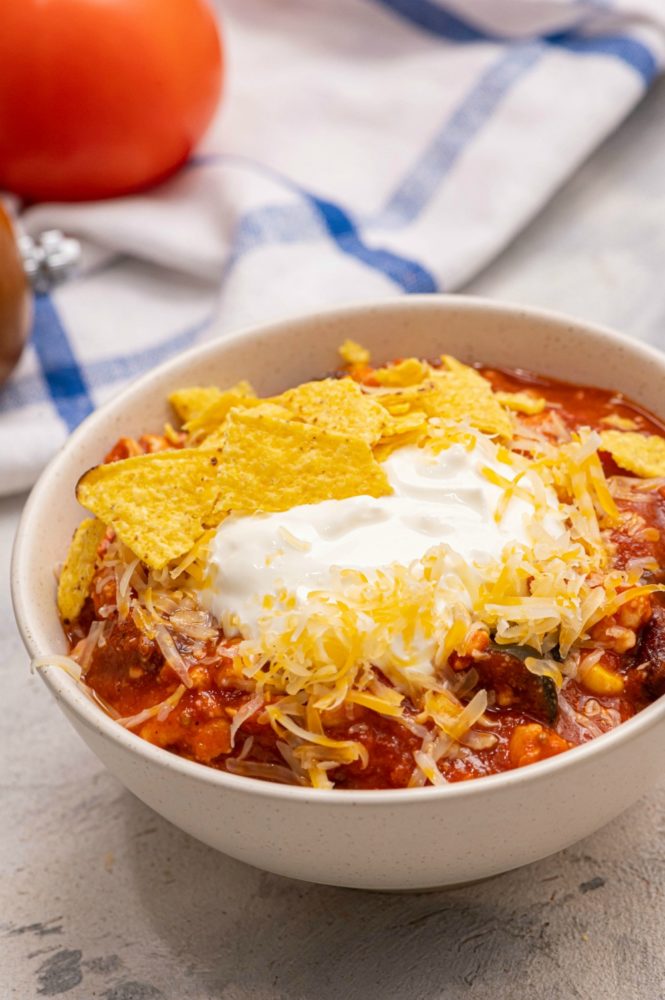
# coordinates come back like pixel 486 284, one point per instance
pixel 102 97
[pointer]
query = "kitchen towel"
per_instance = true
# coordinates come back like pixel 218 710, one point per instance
pixel 364 148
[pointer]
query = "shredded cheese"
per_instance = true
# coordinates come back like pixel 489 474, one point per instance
pixel 386 640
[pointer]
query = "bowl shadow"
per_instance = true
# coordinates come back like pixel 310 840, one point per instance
pixel 237 932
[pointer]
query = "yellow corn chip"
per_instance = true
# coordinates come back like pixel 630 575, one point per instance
pixel 642 454
pixel 402 402
pixel 218 437
pixel 463 394
pixel 620 423
pixel 191 402
pixel 79 568
pixel 399 432
pixel 457 393
pixel 214 414
pixel 336 405
pixel 411 371
pixel 157 503
pixel 522 402
pixel 415 420
pixel 352 353
pixel 172 435
pixel 271 465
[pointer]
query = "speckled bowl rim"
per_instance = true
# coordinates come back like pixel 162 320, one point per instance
pixel 90 715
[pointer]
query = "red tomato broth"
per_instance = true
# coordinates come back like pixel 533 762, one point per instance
pixel 130 674
pixel 578 406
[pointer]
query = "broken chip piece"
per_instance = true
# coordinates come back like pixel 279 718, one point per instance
pixel 157 503
pixel 271 465
pixel 456 393
pixel 522 402
pixel 215 412
pixel 79 568
pixel 639 453
pixel 336 405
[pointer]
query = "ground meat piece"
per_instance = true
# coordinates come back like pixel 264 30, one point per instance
pixel 515 686
pixel 389 745
pixel 650 653
pixel 125 666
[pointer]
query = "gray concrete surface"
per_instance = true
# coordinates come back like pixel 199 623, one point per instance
pixel 100 898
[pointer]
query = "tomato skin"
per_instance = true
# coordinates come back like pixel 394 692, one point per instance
pixel 103 97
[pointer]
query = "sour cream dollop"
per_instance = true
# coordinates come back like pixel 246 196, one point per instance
pixel 437 498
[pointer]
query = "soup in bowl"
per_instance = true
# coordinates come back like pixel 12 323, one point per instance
pixel 370 597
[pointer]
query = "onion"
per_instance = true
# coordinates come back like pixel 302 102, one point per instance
pixel 246 747
pixel 195 624
pixel 293 762
pixel 253 769
pixel 480 741
pixel 584 725
pixel 168 649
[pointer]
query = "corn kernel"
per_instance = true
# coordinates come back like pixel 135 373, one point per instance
pixel 599 680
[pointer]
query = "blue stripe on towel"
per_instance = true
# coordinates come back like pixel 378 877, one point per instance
pixel 28 390
pixel 408 274
pixel 629 50
pixel 130 365
pixel 415 190
pixel 437 21
pixel 434 19
pixel 59 367
pixel 269 225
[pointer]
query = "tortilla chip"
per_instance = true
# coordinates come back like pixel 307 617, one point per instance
pixel 464 395
pixel 337 405
pixel 79 568
pixel 352 353
pixel 457 393
pixel 190 402
pixel 411 371
pixel 639 453
pixel 619 423
pixel 271 465
pixel 412 428
pixel 218 437
pixel 157 503
pixel 215 412
pixel 415 420
pixel 522 402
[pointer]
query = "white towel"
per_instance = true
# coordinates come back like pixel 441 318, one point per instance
pixel 364 148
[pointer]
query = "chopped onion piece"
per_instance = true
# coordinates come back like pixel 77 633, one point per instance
pixel 254 769
pixel 167 646
pixel 246 747
pixel 196 624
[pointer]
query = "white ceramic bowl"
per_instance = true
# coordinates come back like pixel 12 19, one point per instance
pixel 401 839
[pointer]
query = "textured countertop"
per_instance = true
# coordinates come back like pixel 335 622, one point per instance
pixel 99 897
